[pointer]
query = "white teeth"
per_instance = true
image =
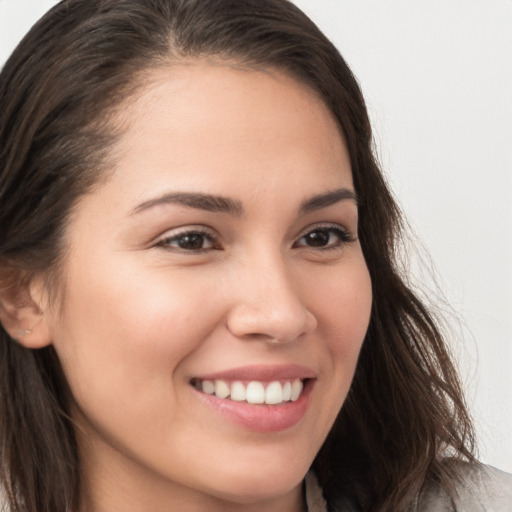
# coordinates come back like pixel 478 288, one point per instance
pixel 274 393
pixel 287 392
pixel 255 392
pixel 297 387
pixel 208 387
pixel 221 389
pixel 238 392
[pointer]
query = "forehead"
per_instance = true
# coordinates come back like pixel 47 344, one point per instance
pixel 218 128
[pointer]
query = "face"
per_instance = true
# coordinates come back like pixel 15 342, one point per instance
pixel 217 268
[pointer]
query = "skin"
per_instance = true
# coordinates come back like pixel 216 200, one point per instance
pixel 142 316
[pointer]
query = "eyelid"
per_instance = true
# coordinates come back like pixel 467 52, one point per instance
pixel 346 235
pixel 327 225
pixel 176 233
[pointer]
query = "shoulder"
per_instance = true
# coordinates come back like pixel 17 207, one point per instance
pixel 478 488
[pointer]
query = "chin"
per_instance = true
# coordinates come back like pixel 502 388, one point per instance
pixel 260 487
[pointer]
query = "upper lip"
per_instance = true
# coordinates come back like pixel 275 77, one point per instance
pixel 264 373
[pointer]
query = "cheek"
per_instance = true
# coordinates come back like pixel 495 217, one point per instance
pixel 343 308
pixel 120 328
pixel 341 299
pixel 343 305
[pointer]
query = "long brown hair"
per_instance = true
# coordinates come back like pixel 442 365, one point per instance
pixel 405 409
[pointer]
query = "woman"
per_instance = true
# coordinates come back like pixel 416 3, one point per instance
pixel 199 295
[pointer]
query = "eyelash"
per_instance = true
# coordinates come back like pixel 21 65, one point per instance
pixel 343 235
pixel 205 234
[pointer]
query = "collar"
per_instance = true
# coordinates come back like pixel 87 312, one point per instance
pixel 314 498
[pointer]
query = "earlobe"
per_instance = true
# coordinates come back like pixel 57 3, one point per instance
pixel 22 314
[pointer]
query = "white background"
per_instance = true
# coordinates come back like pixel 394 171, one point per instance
pixel 437 76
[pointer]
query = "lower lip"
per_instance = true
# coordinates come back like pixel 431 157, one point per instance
pixel 262 417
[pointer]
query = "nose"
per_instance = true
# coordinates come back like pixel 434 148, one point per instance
pixel 268 305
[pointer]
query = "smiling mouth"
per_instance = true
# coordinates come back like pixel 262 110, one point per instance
pixel 253 392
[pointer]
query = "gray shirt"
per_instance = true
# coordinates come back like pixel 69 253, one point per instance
pixel 481 489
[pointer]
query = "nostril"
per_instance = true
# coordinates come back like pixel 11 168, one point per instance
pixel 260 337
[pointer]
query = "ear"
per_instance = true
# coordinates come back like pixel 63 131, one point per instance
pixel 22 309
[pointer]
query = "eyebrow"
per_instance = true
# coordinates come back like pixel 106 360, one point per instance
pixel 208 202
pixel 221 204
pixel 327 199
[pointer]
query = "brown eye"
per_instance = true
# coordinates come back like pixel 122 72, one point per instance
pixel 329 237
pixel 190 241
pixel 317 238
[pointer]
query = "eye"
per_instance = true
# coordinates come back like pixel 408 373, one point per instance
pixel 190 241
pixel 325 237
